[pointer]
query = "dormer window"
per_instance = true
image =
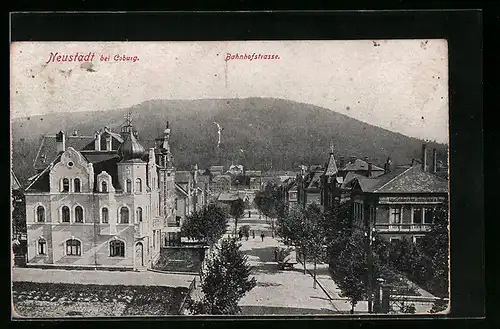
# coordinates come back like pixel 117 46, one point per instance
pixel 104 187
pixel 77 185
pixel 65 185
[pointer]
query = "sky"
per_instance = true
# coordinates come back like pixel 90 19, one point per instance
pixel 400 85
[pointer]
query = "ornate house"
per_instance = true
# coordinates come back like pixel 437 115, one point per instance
pixel 100 201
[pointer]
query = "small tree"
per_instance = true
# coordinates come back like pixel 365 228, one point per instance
pixel 314 236
pixel 225 281
pixel 18 212
pixel 351 268
pixel 206 225
pixel 237 210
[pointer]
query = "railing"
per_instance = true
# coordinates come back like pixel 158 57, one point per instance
pixel 403 227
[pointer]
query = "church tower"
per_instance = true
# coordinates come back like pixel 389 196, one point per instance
pixel 330 189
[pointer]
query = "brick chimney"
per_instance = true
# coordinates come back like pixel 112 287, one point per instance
pixel 61 142
pixel 109 143
pixel 341 162
pixel 434 161
pixel 97 141
pixel 424 157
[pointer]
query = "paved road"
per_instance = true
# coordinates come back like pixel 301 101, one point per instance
pixel 277 291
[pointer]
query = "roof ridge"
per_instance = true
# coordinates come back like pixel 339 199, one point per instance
pixel 393 178
pixel 42 172
pixel 38 153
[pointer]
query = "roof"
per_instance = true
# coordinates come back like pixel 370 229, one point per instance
pixel 359 165
pixel 253 172
pixel 315 181
pixel 221 178
pixel 404 180
pixel 14 182
pixel 47 151
pixel 183 176
pixel 179 189
pixel 226 196
pixel 216 168
pixel 203 178
pixel 331 167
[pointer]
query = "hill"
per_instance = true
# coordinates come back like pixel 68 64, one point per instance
pixel 262 133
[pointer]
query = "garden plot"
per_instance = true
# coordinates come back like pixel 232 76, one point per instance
pixel 50 300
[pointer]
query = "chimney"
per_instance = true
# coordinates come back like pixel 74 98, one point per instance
pixel 434 161
pixel 109 143
pixel 61 142
pixel 352 159
pixel 341 162
pixel 369 174
pixel 75 133
pixel 387 165
pixel 97 141
pixel 424 157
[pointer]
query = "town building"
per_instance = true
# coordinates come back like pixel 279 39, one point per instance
pixel 221 183
pixel 401 202
pixel 235 170
pixel 100 201
pixel 216 170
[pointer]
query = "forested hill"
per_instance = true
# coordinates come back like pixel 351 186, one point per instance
pixel 261 133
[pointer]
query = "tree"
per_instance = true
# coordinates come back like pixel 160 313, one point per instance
pixel 237 210
pixel 18 212
pixel 224 282
pixel 314 236
pixel 207 225
pixel 336 223
pixel 351 268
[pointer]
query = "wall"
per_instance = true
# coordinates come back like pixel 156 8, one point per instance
pixel 180 259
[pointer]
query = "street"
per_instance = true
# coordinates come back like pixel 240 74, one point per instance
pixel 277 291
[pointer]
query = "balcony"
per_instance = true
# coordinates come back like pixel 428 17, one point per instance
pixel 403 227
pixel 140 230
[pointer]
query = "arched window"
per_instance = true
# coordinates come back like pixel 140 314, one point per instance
pixel 105 215
pixel 65 185
pixel 124 215
pixel 42 246
pixel 77 185
pixel 40 214
pixel 129 186
pixel 73 247
pixel 78 214
pixel 138 214
pixel 65 214
pixel 138 185
pixel 104 187
pixel 117 248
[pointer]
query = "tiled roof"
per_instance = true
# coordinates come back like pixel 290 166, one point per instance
pixel 315 181
pixel 221 178
pixel 226 196
pixel 183 176
pixel 105 161
pixel 47 151
pixel 331 168
pixel 14 182
pixel 404 180
pixel 359 165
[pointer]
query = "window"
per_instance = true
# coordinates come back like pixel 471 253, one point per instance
pixel 104 215
pixel 117 248
pixel 65 185
pixel 178 221
pixel 124 214
pixel 78 214
pixel 395 215
pixel 65 214
pixel 138 185
pixel 428 216
pixel 40 214
pixel 394 239
pixel 417 239
pixel 104 187
pixel 129 186
pixel 73 247
pixel 77 185
pixel 138 214
pixel 42 246
pixel 417 215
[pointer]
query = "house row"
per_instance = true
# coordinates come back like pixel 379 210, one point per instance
pixel 395 201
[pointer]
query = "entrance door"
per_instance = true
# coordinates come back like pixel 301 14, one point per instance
pixel 139 254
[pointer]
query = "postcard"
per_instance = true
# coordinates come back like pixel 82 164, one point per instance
pixel 249 178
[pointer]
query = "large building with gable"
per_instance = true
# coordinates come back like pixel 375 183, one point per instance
pixel 101 201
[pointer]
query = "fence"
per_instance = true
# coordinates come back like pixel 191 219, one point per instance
pixel 189 294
